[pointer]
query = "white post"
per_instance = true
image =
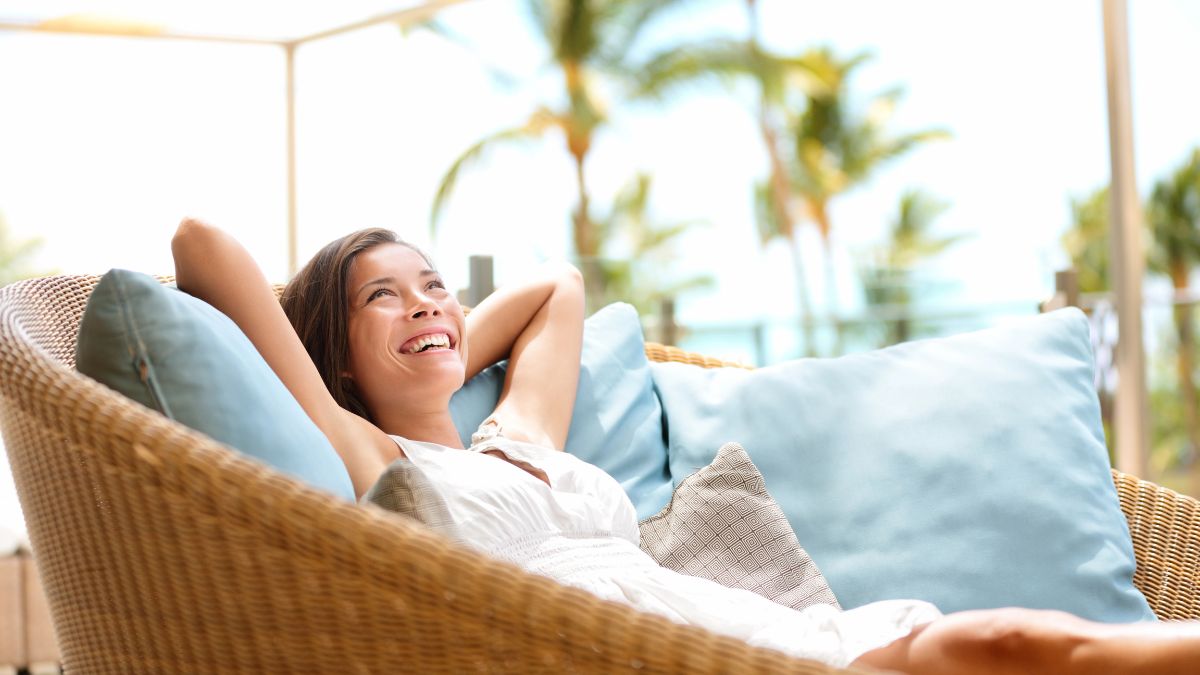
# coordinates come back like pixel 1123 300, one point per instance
pixel 289 51
pixel 1128 256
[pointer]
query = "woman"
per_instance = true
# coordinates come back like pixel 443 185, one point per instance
pixel 372 344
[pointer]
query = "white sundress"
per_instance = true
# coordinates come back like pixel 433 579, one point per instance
pixel 582 530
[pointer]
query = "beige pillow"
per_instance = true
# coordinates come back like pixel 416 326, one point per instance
pixel 405 489
pixel 721 524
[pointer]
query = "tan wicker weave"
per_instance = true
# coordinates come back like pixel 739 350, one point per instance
pixel 164 551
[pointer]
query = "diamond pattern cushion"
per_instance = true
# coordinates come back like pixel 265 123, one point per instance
pixel 405 489
pixel 723 525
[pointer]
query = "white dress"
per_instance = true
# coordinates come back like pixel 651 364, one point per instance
pixel 582 530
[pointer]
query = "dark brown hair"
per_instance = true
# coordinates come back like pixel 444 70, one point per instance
pixel 316 302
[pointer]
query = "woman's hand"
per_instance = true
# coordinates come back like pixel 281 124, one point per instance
pixel 538 325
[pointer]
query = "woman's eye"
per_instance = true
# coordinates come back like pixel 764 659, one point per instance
pixel 436 283
pixel 377 293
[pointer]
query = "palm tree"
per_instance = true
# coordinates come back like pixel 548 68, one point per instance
pixel 889 281
pixel 776 202
pixel 588 40
pixel 1086 242
pixel 775 199
pixel 14 256
pixel 648 245
pixel 835 150
pixel 817 147
pixel 1173 215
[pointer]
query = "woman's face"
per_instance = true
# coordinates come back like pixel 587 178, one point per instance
pixel 406 332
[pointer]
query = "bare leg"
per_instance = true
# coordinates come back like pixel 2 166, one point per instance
pixel 1035 641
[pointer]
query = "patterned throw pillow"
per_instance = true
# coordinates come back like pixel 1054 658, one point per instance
pixel 405 489
pixel 722 525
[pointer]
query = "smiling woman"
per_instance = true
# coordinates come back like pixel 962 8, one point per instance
pixel 342 342
pixel 513 496
pixel 398 307
pixel 317 301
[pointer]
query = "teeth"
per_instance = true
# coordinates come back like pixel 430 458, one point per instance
pixel 438 340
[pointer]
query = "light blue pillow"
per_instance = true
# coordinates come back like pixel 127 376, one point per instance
pixel 968 471
pixel 617 421
pixel 180 356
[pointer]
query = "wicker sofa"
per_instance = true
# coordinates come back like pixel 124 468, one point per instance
pixel 162 550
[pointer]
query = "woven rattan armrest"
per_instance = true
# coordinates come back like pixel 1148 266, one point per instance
pixel 1165 527
pixel 164 551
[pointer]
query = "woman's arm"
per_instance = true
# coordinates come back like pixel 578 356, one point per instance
pixel 538 325
pixel 213 266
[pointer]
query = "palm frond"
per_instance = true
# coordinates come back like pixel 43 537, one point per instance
pixel 626 20
pixel 1173 217
pixel 433 26
pixel 724 61
pixel 876 152
pixel 537 124
pixel 655 238
pixel 543 21
pixel 693 283
pixel 1086 242
pixel 767 220
pixel 575 27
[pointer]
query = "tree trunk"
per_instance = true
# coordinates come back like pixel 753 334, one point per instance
pixel 804 299
pixel 579 141
pixel 821 215
pixel 1185 333
pixel 782 199
pixel 586 246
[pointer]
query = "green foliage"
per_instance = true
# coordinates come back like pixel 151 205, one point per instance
pixel 589 40
pixel 1172 220
pixel 537 124
pixel 15 255
pixel 836 149
pixel 1087 241
pixel 639 252
pixel 889 278
pixel 1173 216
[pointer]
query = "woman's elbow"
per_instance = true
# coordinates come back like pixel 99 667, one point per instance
pixel 189 236
pixel 194 247
pixel 569 282
pixel 567 276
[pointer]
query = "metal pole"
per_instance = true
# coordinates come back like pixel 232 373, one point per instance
pixel 289 51
pixel 760 343
pixel 1128 260
pixel 482 279
pixel 668 330
pixel 129 30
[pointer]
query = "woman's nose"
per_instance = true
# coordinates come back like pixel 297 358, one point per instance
pixel 426 307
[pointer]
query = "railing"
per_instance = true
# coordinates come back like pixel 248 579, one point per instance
pixel 27 642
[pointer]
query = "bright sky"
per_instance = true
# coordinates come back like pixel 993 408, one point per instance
pixel 106 143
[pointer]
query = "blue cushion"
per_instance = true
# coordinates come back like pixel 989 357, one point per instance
pixel 617 421
pixel 183 358
pixel 968 471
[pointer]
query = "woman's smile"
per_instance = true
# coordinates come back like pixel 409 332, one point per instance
pixel 432 340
